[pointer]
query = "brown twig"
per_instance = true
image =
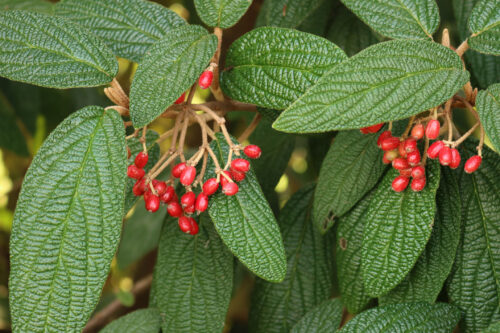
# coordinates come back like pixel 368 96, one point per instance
pixel 249 130
pixel 462 48
pixel 215 87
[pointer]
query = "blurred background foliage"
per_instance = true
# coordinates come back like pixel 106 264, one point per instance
pixel 28 114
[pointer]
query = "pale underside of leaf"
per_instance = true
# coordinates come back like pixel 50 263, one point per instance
pixel 488 107
pixel 221 13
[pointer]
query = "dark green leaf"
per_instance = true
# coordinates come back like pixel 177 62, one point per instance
pixel 427 277
pixel 128 27
pixel 351 168
pixel 25 100
pixel 67 223
pixel 398 18
pixel 276 307
pixel 41 6
pixel 474 282
pixel 169 67
pixel 246 223
pixel 317 22
pixel 484 23
pixel 11 136
pixel 405 317
pixel 324 318
pixel 493 328
pixel 387 81
pixel 221 13
pixel 139 321
pixel 193 279
pixel 348 256
pixel 398 227
pixel 286 13
pixel 488 107
pixel 272 67
pixel 30 52
pixel 350 33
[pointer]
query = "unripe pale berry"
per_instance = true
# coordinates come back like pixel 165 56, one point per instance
pixel 389 156
pixel 473 164
pixel 140 187
pixel 400 183
pixel 418 184
pixel 432 129
pixel 152 203
pixel 201 203
pixel 413 158
pixel 434 149
pixel 210 186
pixel 389 143
pixel 384 135
pixel 230 188
pixel 188 199
pixel 185 224
pixel 240 165
pixel 445 155
pixel 134 172
pixel 418 172
pixel 371 129
pixel 206 79
pixel 188 175
pixel 418 131
pixel 400 163
pixel 178 168
pixel 224 180
pixel 141 160
pixel 174 209
pixel 181 99
pixel 252 151
pixel 455 159
pixel 160 187
pixel 168 195
pixel 405 172
pixel 237 176
pixel 410 145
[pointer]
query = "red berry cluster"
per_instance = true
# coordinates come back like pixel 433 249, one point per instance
pixel 156 192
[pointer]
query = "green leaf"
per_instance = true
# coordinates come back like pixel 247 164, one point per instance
pixel 41 6
pixel 405 317
pixel 67 223
pixel 139 321
pixel 351 168
pixel 246 223
pixel 398 227
pixel 484 22
pixel 324 318
pixel 488 107
pixel 193 279
pixel 128 27
pixel 135 147
pixel 426 279
pixel 276 307
pixel 493 328
pixel 474 284
pixel 286 13
pixel 221 13
pixel 350 33
pixel 267 67
pixel 169 67
pixel 317 22
pixel 30 52
pixel 26 109
pixel 409 19
pixel 348 256
pixel 387 81
pixel 11 136
pixel 140 235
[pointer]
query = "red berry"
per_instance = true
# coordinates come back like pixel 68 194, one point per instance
pixel 189 209
pixel 188 199
pixel 139 187
pixel 174 209
pixel 405 172
pixel 152 203
pixel 417 132
pixel 160 187
pixel 371 129
pixel 400 163
pixel 455 158
pixel 389 143
pixel 445 155
pixel 389 156
pixel 230 189
pixel 418 184
pixel 384 135
pixel 240 165
pixel 206 79
pixel 400 183
pixel 237 175
pixel 401 149
pixel 201 203
pixel 413 158
pixel 410 145
pixel 178 169
pixel 252 151
pixel 418 172
pixel 185 224
pixel 210 186
pixel 432 129
pixel 434 149
pixel 224 180
pixel 181 99
pixel 194 227
pixel 473 163
pixel 188 175
pixel 168 195
pixel 134 172
pixel 141 160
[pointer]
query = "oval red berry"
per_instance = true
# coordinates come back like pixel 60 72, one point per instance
pixel 141 160
pixel 418 184
pixel 206 79
pixel 188 175
pixel 240 165
pixel 371 129
pixel 152 203
pixel 432 129
pixel 201 203
pixel 210 186
pixel 174 209
pixel 178 169
pixel 473 164
pixel 134 172
pixel 434 149
pixel 400 183
pixel 188 199
pixel 230 189
pixel 252 151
